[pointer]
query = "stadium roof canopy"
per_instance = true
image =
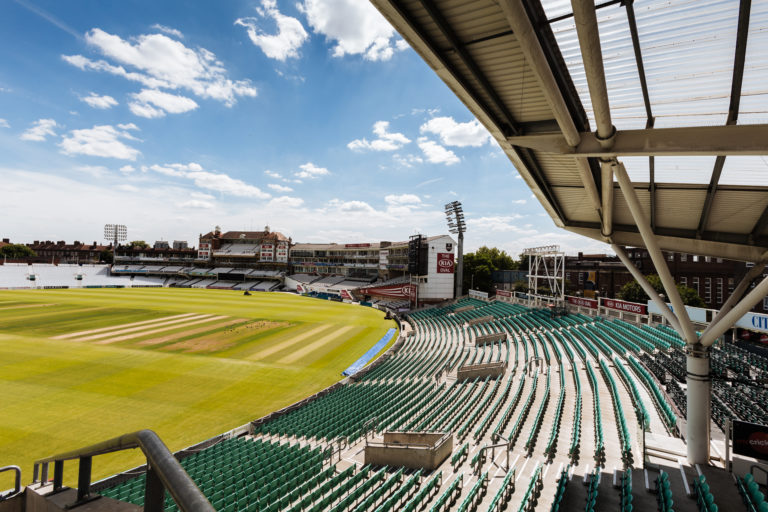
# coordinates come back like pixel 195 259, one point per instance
pixel 620 116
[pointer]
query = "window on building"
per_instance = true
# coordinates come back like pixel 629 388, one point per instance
pixel 683 257
pixel 670 256
pixel 684 281
pixel 708 290
pixel 695 258
pixel 765 303
pixel 581 277
pixel 707 259
pixel 696 285
pixel 719 260
pixel 568 276
pixel 719 290
pixel 731 285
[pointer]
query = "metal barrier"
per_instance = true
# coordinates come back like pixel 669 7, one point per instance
pixel 16 482
pixel 163 472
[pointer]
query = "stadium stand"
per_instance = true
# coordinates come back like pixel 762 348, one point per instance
pixel 511 430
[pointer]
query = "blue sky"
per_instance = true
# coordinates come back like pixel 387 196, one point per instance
pixel 313 117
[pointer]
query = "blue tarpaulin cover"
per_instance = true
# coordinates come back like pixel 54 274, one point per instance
pixel 360 363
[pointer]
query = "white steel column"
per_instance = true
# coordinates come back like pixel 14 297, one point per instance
pixel 737 294
pixel 697 360
pixel 741 309
pixel 698 402
pixel 643 225
pixel 647 288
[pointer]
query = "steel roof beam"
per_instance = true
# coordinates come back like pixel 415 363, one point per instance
pixel 733 107
pixel 525 33
pixel 570 14
pixel 588 32
pixel 688 141
pixel 471 65
pixel 432 47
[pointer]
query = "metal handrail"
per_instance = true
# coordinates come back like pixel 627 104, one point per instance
pixel 163 472
pixel 16 483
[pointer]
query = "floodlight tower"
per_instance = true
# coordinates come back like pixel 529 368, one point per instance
pixel 456 225
pixel 115 233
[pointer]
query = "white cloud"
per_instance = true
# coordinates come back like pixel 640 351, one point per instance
pixel 435 153
pixel 127 188
pixel 4 123
pixel 452 133
pixel 168 30
pixel 196 204
pixel 151 103
pixel 41 129
pixel 407 160
pixel 273 174
pixel 499 223
pixel 225 184
pixel 287 202
pixel 127 126
pixel 216 181
pixel 101 102
pixel 355 26
pixel 350 206
pixel 127 169
pixel 101 140
pixel 279 188
pixel 311 171
pixel 176 170
pixel 519 201
pixel 157 61
pixel 403 200
pixel 385 142
pixel 290 32
pixel 97 171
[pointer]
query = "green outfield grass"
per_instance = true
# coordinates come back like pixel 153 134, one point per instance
pixel 81 366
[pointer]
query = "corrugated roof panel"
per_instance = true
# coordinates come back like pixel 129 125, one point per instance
pixel 622 78
pixel 559 169
pixel 754 89
pixel 737 211
pixel 621 213
pixel 474 20
pixel 513 80
pixel 689 169
pixel 679 208
pixel 576 208
pixel 745 170
pixel 688 49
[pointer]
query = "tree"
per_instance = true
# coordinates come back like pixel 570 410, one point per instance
pixel 521 286
pixel 480 265
pixel 106 256
pixel 138 244
pixel 634 293
pixel 16 251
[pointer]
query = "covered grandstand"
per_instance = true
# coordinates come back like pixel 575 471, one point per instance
pixel 547 411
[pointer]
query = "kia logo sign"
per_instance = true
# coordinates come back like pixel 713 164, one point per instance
pixel 445 263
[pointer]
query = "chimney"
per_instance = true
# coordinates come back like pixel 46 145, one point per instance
pixel 6 240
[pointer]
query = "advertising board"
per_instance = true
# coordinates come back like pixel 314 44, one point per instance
pixel 580 301
pixel 629 307
pixel 445 263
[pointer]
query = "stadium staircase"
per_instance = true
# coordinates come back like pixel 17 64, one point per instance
pixel 561 429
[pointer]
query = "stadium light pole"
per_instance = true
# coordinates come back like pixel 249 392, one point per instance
pixel 115 233
pixel 454 213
